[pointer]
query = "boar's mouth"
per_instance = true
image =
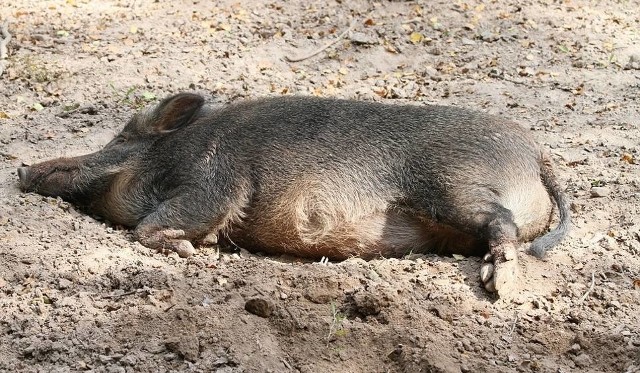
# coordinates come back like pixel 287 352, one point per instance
pixel 53 182
pixel 58 178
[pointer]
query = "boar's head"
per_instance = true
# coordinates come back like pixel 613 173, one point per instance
pixel 84 180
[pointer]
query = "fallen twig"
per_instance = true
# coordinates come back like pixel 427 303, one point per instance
pixel 295 319
pixel 586 294
pixel 5 38
pixel 286 364
pixel 332 42
pixel 515 323
pixel 118 295
pixel 516 81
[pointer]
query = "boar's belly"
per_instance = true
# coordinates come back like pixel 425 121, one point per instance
pixel 383 234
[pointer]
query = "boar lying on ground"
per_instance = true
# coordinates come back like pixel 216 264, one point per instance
pixel 320 177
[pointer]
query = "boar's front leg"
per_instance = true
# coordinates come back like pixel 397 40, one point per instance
pixel 178 222
pixel 165 240
pixel 167 230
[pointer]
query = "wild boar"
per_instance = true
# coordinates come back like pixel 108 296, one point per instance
pixel 315 177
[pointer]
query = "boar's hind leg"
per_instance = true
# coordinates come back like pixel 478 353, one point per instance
pixel 499 271
pixel 480 215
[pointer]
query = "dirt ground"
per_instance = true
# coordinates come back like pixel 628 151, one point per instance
pixel 78 294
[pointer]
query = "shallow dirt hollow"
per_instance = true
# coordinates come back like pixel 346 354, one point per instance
pixel 78 294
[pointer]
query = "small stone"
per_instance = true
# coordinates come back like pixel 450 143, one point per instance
pixel 527 71
pixel 579 64
pixel 259 307
pixel 466 41
pixel 116 369
pixel 362 38
pixel 582 360
pixel 600 192
pixel 575 348
pixel 488 36
pixel 186 347
pixel 63 283
pixel 574 157
pixel 634 62
pixel 466 344
pixel 615 304
pixel 373 275
pixel 343 355
pixel 184 249
pixel 130 360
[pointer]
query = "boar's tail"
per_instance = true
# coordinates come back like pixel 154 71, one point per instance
pixel 541 244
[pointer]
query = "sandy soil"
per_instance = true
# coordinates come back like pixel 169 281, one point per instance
pixel 79 294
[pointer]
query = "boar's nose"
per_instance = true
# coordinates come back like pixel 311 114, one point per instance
pixel 22 173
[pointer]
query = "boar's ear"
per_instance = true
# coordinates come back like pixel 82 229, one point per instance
pixel 175 111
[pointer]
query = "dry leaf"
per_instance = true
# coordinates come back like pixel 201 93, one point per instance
pixel 381 92
pixel 390 48
pixel 626 157
pixel 416 37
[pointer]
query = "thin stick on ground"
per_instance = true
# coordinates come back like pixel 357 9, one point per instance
pixel 515 323
pixel 324 47
pixel 5 38
pixel 118 295
pixel 586 294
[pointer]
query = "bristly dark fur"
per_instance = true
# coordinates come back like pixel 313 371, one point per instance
pixel 317 177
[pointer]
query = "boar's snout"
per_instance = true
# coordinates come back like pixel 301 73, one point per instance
pixel 26 179
pixel 22 175
pixel 29 179
pixel 52 178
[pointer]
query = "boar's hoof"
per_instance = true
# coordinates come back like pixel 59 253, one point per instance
pixel 499 272
pixel 486 271
pixel 166 241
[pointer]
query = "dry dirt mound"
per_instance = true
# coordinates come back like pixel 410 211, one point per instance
pixel 78 294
